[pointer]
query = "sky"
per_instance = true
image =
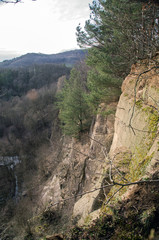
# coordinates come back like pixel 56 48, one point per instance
pixel 41 26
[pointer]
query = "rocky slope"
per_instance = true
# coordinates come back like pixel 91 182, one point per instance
pixel 84 165
pixel 67 188
pixel 130 209
pixel 78 169
pixel 134 153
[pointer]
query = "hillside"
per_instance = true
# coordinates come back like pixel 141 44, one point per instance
pixel 68 58
pixel 56 185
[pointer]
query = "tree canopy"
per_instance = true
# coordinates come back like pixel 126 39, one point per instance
pixel 119 33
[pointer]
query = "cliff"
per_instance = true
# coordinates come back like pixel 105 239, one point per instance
pixel 134 151
pixel 131 170
pixel 78 170
pixel 108 178
pixel 84 166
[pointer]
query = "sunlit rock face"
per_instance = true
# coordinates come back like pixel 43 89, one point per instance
pixel 8 178
pixel 135 145
pixel 136 124
pixel 101 135
pixel 136 105
pixel 79 168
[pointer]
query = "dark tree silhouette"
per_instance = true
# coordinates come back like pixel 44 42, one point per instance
pixel 5 1
pixel 11 1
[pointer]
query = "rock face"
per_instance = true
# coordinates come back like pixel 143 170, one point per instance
pixel 134 107
pixel 137 119
pixel 101 139
pixel 134 151
pixel 83 166
pixel 80 169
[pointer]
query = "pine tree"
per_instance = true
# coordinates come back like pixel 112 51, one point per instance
pixel 119 33
pixel 73 108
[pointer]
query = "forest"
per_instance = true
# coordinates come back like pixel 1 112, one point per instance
pixel 27 106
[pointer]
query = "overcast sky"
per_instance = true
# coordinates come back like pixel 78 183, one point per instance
pixel 46 26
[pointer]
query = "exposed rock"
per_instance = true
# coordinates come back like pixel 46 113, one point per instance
pixel 135 114
pixel 135 156
pixel 76 167
pixel 135 146
pixel 101 139
pixel 52 191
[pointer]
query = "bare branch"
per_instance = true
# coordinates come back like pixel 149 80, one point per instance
pixel 157 103
pixel 106 203
pixel 103 187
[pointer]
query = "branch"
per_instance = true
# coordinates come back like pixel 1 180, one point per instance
pixel 157 103
pixel 79 195
pixel 113 195
pixel 103 187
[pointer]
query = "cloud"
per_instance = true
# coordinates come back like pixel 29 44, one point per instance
pixel 46 26
pixel 71 9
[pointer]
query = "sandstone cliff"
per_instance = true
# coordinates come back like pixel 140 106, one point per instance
pixel 135 148
pixel 131 167
pixel 69 168
pixel 84 166
pixel 79 169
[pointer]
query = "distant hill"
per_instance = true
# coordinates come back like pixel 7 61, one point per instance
pixel 68 58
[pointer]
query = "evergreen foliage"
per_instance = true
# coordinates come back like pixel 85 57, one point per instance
pixel 118 33
pixel 74 112
pixel 102 88
pixel 121 31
